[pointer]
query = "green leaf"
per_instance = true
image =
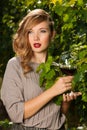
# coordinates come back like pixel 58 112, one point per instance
pixel 82 54
pixel 50 74
pixel 40 67
pixel 80 2
pixel 42 79
pixel 84 97
pixel 58 100
pixel 48 64
pixel 6 123
pixel 66 18
pixel 49 84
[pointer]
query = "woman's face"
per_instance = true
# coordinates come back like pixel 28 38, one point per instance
pixel 39 37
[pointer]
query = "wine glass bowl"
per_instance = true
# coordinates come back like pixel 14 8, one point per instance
pixel 66 63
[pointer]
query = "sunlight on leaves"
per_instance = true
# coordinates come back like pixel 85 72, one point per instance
pixel 59 1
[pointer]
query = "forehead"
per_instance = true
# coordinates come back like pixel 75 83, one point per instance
pixel 42 25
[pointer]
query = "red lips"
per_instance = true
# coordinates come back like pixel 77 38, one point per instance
pixel 37 45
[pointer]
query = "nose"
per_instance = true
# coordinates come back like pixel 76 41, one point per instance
pixel 36 36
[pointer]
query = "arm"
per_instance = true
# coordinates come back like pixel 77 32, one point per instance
pixel 12 94
pixel 33 106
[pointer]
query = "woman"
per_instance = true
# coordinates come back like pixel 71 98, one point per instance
pixel 29 106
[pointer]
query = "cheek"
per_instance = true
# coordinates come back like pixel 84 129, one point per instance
pixel 47 39
pixel 30 40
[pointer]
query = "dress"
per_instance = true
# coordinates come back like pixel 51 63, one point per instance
pixel 18 88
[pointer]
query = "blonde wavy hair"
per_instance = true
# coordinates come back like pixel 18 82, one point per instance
pixel 21 45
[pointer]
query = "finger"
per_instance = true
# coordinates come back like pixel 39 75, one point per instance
pixel 70 97
pixel 67 98
pixel 78 93
pixel 68 84
pixel 64 97
pixel 67 79
pixel 67 88
pixel 74 95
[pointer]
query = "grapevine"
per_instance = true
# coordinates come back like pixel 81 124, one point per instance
pixel 50 71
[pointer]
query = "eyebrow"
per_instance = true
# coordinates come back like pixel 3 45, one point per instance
pixel 40 28
pixel 44 28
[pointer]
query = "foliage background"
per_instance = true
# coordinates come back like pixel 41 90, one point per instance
pixel 70 17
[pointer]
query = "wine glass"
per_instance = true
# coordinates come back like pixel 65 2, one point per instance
pixel 66 63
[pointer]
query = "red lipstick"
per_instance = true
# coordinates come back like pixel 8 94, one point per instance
pixel 37 45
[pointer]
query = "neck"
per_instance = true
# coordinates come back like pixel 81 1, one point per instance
pixel 39 57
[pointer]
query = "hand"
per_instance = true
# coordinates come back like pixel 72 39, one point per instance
pixel 63 84
pixel 71 96
pixel 67 98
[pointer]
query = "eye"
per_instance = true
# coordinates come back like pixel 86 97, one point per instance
pixel 30 31
pixel 43 31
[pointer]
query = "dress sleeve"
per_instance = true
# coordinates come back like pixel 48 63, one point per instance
pixel 12 92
